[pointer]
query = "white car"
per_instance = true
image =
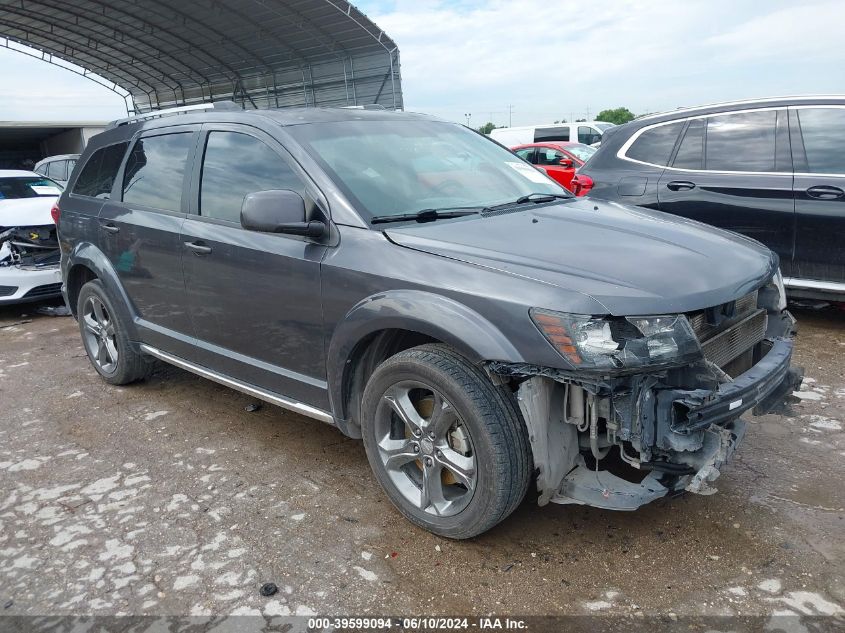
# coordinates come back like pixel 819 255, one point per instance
pixel 29 248
pixel 586 132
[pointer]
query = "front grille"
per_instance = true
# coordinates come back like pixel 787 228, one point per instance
pixel 47 290
pixel 7 291
pixel 736 339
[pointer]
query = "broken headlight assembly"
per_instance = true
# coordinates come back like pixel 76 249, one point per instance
pixel 617 344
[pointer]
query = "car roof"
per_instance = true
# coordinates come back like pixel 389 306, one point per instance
pixel 17 173
pixel 50 159
pixel 125 129
pixel 769 102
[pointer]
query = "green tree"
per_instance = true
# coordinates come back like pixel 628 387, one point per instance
pixel 487 128
pixel 615 115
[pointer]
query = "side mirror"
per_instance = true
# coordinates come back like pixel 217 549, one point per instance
pixel 566 163
pixel 278 211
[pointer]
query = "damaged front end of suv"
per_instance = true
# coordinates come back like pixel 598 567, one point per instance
pixel 651 405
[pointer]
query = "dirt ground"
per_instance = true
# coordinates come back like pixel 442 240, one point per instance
pixel 169 497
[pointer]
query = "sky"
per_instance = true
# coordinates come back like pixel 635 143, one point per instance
pixel 548 59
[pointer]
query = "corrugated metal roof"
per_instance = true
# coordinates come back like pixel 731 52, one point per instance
pixel 260 53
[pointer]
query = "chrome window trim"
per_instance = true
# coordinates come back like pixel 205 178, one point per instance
pixel 627 145
pixel 267 396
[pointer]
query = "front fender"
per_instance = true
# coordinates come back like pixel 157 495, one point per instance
pixel 88 255
pixel 433 315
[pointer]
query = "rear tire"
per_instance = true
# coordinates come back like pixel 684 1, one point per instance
pixel 104 336
pixel 449 448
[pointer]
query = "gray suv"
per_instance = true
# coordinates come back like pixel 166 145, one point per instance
pixel 422 288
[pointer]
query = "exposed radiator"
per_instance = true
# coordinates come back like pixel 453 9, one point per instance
pixel 723 347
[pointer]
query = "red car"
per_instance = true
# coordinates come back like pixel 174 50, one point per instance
pixel 559 159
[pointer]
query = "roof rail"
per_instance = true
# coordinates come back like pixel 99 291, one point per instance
pixel 222 106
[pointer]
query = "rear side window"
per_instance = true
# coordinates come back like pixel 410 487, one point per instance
pixel 691 151
pixel 155 171
pixel 741 142
pixel 546 134
pixel 655 145
pixel 234 165
pixel 823 130
pixel 57 170
pixel 99 172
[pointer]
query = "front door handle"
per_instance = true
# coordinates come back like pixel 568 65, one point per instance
pixel 199 248
pixel 680 185
pixel 109 227
pixel 825 192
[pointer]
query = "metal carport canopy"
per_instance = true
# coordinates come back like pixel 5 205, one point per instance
pixel 259 53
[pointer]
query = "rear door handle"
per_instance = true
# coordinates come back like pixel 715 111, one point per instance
pixel 680 185
pixel 198 247
pixel 109 227
pixel 825 192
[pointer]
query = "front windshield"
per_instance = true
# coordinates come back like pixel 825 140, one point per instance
pixel 27 187
pixel 404 166
pixel 581 152
pixel 604 126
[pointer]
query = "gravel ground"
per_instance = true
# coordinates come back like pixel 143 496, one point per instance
pixel 169 498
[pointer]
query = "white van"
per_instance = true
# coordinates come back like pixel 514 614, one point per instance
pixel 586 132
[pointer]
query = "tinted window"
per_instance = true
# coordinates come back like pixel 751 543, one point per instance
pixel 155 170
pixel 741 142
pixel 544 134
pixel 99 172
pixel 823 130
pixel 236 165
pixel 691 151
pixel 655 145
pixel 588 135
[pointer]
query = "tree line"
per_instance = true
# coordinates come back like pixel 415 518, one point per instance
pixel 613 115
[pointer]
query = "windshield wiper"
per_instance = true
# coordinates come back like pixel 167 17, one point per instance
pixel 543 197
pixel 427 215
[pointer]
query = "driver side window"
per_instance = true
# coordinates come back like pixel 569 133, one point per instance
pixel 234 165
pixel 548 156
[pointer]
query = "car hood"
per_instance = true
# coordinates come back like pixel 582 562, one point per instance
pixel 628 259
pixel 26 211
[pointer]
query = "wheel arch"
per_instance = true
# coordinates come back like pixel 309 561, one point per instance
pixel 87 262
pixel 388 323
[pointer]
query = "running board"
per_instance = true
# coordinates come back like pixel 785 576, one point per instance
pixel 813 284
pixel 267 396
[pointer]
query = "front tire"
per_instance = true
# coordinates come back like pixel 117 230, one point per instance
pixel 449 448
pixel 104 336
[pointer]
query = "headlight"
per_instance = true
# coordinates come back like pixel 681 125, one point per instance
pixel 622 343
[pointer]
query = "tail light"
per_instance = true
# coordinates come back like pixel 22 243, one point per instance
pixel 55 212
pixel 581 184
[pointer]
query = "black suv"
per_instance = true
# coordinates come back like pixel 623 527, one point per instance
pixel 420 287
pixel 772 169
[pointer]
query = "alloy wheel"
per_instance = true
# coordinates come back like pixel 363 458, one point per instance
pixel 99 334
pixel 426 448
